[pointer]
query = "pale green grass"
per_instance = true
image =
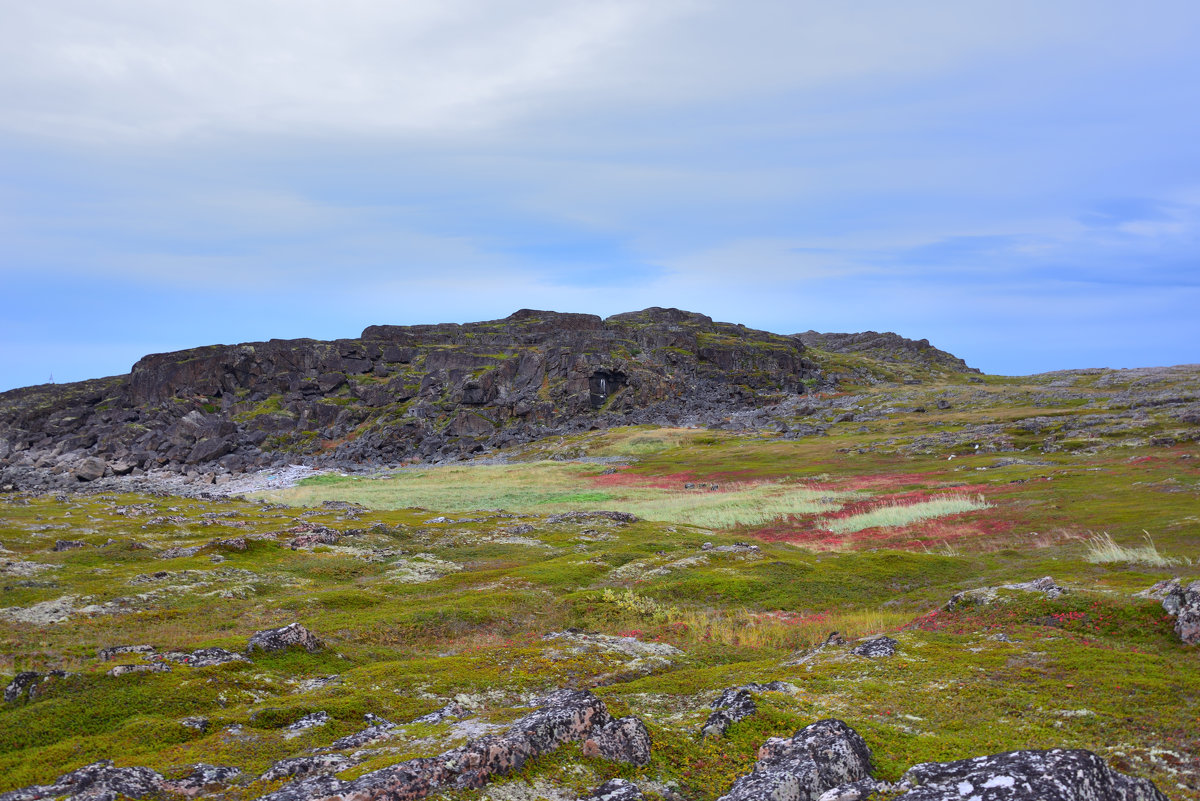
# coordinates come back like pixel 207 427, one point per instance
pixel 895 515
pixel 547 487
pixel 1101 549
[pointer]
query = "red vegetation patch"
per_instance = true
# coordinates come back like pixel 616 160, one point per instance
pixel 624 478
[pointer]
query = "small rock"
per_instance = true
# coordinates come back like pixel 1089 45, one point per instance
pixel 615 790
pixel 306 766
pixel 68 545
pixel 315 720
pixel 198 723
pixel 107 654
pixel 204 778
pixel 289 636
pixel 121 670
pixel 876 647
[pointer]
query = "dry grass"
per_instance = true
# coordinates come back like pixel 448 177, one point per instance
pixel 895 515
pixel 1102 549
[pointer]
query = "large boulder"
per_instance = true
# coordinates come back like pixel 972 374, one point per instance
pixel 89 469
pixel 817 758
pixel 293 635
pixel 1055 775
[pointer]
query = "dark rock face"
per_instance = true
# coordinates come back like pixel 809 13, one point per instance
pixel 99 781
pixel 432 392
pixel 817 758
pixel 876 648
pixel 565 716
pixel 292 635
pixel 623 740
pixel 1054 775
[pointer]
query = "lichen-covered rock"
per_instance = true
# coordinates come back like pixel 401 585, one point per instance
pixel 736 703
pixel 203 779
pixel 68 545
pixel 99 781
pixel 1186 601
pixel 21 686
pixel 566 715
pixel 623 740
pixel 817 758
pixel 313 721
pixel 615 790
pixel 292 635
pixel 876 647
pixel 1055 775
pixel 986 595
pixel 122 670
pixel 453 709
pixel 201 657
pixel 307 766
pixel 107 654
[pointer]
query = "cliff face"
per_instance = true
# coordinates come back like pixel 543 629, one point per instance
pixel 400 392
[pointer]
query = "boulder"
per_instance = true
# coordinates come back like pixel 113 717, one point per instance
pixel 292 635
pixel 89 469
pixel 1055 775
pixel 299 767
pixel 623 740
pixel 819 757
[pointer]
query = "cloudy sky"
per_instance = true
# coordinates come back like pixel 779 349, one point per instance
pixel 1017 181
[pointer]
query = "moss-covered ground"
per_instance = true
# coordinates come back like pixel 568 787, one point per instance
pixel 453 600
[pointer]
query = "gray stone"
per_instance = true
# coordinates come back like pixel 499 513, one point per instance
pixel 817 758
pixel 99 781
pixel 615 790
pixel 623 740
pixel 1055 775
pixel 89 469
pixel 876 647
pixel 292 635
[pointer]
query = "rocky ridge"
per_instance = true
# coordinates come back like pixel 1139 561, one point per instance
pixel 397 393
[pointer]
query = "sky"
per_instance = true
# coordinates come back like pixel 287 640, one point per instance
pixel 1018 182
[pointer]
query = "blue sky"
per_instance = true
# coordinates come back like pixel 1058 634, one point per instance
pixel 1019 182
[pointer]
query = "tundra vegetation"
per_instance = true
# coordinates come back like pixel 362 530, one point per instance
pixel 736 553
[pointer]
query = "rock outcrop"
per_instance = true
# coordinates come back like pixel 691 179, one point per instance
pixel 737 703
pixel 565 715
pixel 817 758
pixel 99 781
pixel 397 392
pixel 888 347
pixel 1055 775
